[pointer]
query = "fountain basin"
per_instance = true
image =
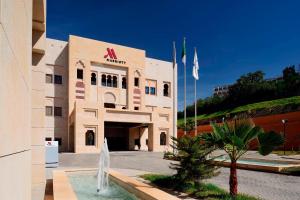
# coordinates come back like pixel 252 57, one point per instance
pixel 277 166
pixel 127 188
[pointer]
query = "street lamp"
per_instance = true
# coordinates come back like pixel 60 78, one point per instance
pixel 284 122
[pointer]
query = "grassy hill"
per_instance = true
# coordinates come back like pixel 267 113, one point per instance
pixel 264 105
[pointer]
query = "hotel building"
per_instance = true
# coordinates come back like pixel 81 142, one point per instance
pixel 76 92
pixel 96 90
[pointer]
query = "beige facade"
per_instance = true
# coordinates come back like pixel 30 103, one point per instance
pixel 22 39
pixel 113 91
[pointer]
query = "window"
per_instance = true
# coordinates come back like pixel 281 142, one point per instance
pixel 152 90
pixel 48 139
pixel 166 90
pixel 124 83
pixel 147 90
pixel 90 138
pixel 58 111
pixel 136 108
pixel 58 140
pixel 49 78
pixel 58 79
pixel 150 87
pixel 79 73
pixel 103 80
pixel 109 105
pixel 163 138
pixel 93 79
pixel 115 81
pixel 49 111
pixel 109 81
pixel 136 82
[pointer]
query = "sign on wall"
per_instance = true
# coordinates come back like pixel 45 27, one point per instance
pixel 111 56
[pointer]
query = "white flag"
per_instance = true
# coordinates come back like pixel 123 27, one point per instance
pixel 183 53
pixel 196 66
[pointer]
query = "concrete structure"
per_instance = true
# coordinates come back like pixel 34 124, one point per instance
pixel 221 90
pixel 63 188
pixel 96 89
pixel 22 50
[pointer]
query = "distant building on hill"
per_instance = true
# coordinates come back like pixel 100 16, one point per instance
pixel 221 90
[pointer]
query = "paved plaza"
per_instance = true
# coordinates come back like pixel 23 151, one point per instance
pixel 267 186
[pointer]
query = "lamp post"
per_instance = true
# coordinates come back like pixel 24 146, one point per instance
pixel 284 122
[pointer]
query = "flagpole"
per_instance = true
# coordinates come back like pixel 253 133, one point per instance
pixel 174 94
pixel 195 105
pixel 184 94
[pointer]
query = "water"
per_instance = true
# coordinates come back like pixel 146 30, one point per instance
pixel 85 186
pixel 103 170
pixel 256 162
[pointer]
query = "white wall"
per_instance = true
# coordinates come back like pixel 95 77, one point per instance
pixel 161 71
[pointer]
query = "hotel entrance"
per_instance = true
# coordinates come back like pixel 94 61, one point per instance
pixel 123 136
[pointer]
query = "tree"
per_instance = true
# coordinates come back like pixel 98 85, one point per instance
pixel 190 125
pixel 193 165
pixel 235 137
pixel 250 78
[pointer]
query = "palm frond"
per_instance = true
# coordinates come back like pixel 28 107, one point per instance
pixel 268 142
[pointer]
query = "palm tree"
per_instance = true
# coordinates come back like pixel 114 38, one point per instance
pixel 235 137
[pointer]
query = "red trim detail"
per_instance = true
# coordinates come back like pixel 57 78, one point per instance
pixel 80 91
pixel 79 97
pixel 136 97
pixel 137 91
pixel 136 102
pixel 79 84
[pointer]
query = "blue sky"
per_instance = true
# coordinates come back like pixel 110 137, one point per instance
pixel 232 37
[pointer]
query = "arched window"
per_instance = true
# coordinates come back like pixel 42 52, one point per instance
pixel 90 138
pixel 93 79
pixel 79 73
pixel 115 81
pixel 124 83
pixel 103 80
pixel 109 100
pixel 137 74
pixel 109 81
pixel 166 90
pixel 163 138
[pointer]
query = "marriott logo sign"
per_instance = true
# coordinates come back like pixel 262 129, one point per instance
pixel 111 56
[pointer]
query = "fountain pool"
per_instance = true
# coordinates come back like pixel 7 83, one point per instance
pixel 84 185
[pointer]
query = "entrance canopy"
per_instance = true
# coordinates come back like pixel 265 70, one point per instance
pixel 123 136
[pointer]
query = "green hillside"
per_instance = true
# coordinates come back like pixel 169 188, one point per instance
pixel 278 103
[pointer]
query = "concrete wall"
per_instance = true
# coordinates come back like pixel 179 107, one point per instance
pixel 56 94
pixel 15 99
pixel 37 103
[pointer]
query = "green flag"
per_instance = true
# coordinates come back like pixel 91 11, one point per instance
pixel 183 54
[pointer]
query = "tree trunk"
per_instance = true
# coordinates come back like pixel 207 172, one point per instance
pixel 233 183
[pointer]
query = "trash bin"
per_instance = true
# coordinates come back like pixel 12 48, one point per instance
pixel 51 153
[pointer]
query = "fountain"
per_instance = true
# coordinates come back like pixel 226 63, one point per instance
pixel 89 185
pixel 103 170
